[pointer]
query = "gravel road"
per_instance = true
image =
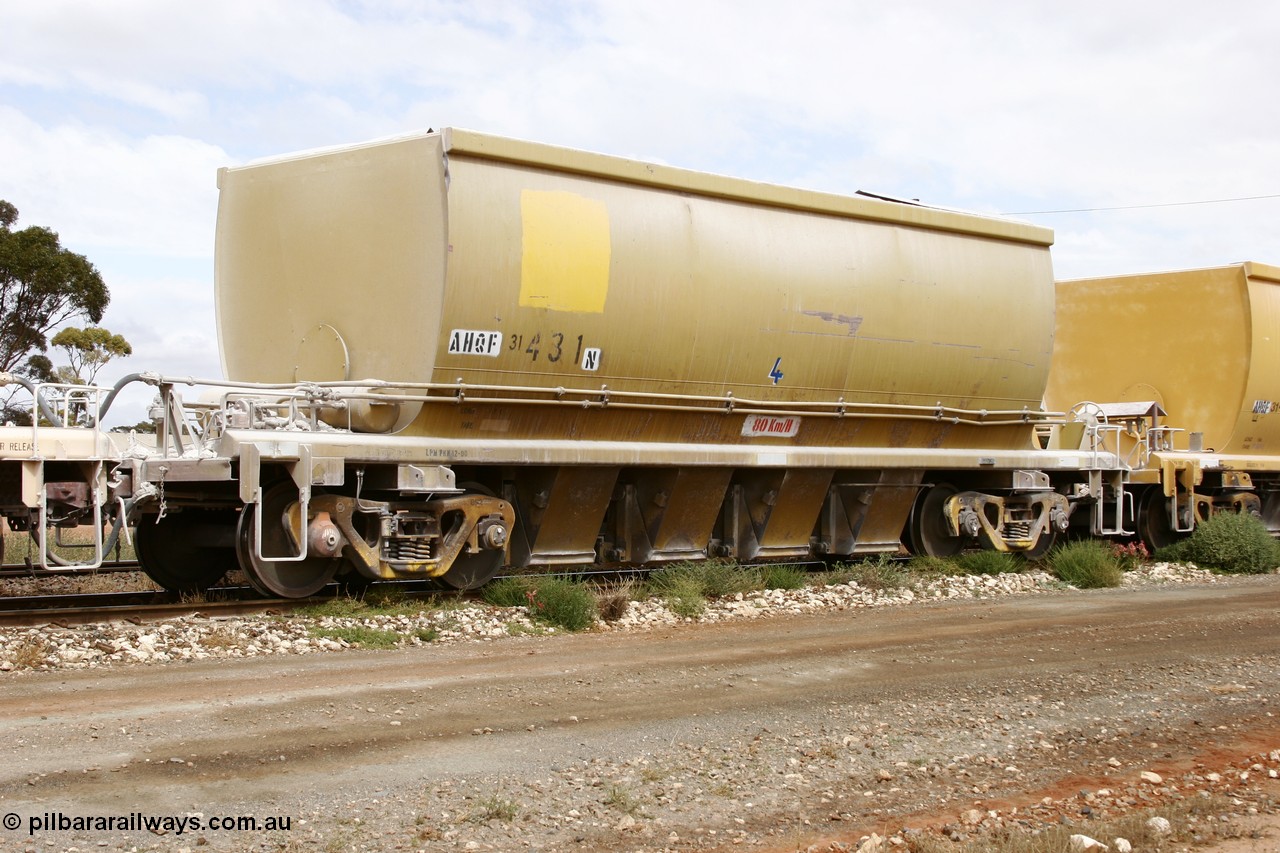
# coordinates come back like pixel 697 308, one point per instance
pixel 778 733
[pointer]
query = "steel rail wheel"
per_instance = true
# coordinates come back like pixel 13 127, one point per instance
pixel 927 532
pixel 472 571
pixel 1154 527
pixel 1043 545
pixel 186 551
pixel 284 579
pixel 475 569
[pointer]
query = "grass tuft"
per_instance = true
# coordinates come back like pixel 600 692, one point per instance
pixel 506 592
pixel 30 653
pixel 359 635
pixel 879 573
pixel 683 594
pixel 560 602
pixel 336 607
pixel 988 563
pixel 564 603
pixel 725 577
pixel 621 799
pixel 612 601
pixel 222 637
pixel 1086 564
pixel 493 807
pixel 686 586
pixel 784 577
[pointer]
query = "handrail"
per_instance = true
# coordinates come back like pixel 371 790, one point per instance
pixel 605 397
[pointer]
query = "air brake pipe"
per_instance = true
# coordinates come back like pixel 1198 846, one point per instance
pixel 50 415
pixel 149 378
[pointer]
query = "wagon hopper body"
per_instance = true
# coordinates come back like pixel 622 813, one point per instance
pixel 450 352
pixel 1184 369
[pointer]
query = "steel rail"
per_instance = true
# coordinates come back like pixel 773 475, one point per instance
pixel 34 572
pixel 73 609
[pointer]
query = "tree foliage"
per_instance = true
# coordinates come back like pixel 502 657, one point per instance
pixel 42 285
pixel 88 350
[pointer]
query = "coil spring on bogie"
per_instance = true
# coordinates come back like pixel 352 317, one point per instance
pixel 1017 530
pixel 409 549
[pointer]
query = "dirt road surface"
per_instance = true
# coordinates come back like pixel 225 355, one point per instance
pixel 772 734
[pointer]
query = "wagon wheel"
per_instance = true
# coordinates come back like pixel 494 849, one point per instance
pixel 472 570
pixel 1043 545
pixel 187 551
pixel 1155 528
pixel 293 579
pixel 927 532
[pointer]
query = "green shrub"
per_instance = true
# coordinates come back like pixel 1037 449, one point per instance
pixel 988 563
pixel 1086 564
pixel 1175 553
pixel 1230 542
pixel 507 592
pixel 784 577
pixel 561 602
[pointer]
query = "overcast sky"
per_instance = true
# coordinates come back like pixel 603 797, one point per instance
pixel 114 116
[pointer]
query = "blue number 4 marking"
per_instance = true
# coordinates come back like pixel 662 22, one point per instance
pixel 776 373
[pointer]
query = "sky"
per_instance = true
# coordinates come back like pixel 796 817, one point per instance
pixel 1141 132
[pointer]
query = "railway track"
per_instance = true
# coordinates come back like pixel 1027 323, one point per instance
pixel 66 610
pixel 82 609
pixel 24 571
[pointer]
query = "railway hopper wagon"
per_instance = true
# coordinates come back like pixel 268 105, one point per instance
pixel 1182 371
pixel 451 352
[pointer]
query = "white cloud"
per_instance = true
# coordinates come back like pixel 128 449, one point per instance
pixel 120 113
pixel 99 188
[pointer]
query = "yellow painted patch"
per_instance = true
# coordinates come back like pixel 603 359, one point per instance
pixel 564 262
